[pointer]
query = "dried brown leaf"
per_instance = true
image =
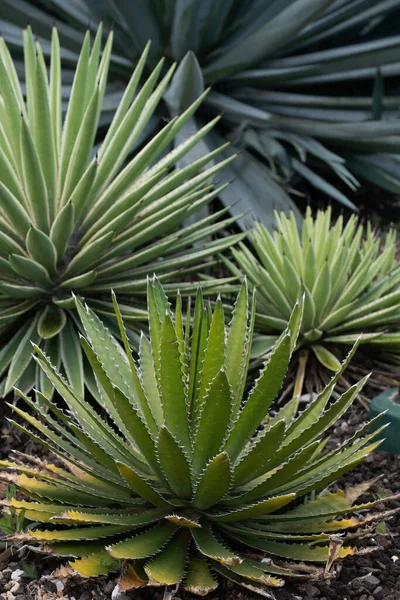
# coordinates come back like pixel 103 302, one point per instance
pixel 353 493
pixel 132 577
pixel 335 544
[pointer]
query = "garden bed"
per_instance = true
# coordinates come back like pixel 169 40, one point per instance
pixel 374 576
pixel 84 210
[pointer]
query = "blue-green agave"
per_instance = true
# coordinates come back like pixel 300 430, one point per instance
pixel 76 216
pixel 185 477
pixel 307 87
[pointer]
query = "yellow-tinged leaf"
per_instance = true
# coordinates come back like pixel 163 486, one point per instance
pixel 133 576
pixel 79 533
pixel 250 584
pixel 303 552
pixel 326 358
pixel 144 516
pixel 167 568
pixel 183 521
pixel 199 579
pixel 94 565
pixel 39 516
pixel 249 571
pixel 210 546
pixel 51 322
pixel 144 544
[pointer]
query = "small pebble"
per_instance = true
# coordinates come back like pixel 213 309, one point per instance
pixel 378 593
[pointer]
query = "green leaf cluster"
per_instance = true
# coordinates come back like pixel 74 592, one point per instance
pixel 185 476
pixel 307 88
pixel 82 217
pixel 349 277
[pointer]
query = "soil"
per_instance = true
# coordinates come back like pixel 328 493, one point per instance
pixel 374 576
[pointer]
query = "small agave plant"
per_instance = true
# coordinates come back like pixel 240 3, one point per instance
pixel 179 482
pixel 349 277
pixel 77 217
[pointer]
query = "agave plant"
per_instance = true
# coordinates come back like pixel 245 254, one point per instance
pixel 283 73
pixel 350 279
pixel 178 481
pixel 81 218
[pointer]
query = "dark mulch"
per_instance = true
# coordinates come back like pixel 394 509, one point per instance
pixel 374 576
